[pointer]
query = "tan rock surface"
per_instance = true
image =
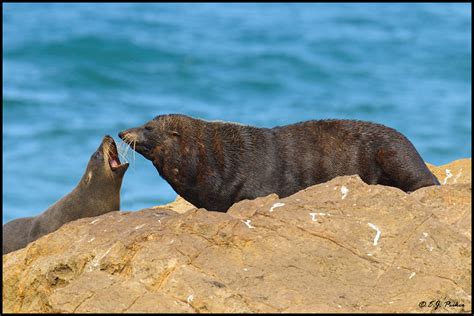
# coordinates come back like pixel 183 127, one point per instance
pixel 456 172
pixel 179 205
pixel 341 246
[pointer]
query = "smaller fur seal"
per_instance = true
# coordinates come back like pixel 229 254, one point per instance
pixel 97 193
pixel 215 164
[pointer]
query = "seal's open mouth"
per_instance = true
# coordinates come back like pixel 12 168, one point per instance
pixel 114 160
pixel 112 154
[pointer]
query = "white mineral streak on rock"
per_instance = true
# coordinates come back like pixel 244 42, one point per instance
pixel 344 191
pixel 313 216
pixel 448 175
pixel 377 236
pixel 190 298
pixel 276 205
pixel 247 222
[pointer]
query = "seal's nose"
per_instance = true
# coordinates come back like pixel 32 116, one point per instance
pixel 129 135
pixel 122 134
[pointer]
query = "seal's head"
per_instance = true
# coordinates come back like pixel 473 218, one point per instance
pixel 105 162
pixel 158 137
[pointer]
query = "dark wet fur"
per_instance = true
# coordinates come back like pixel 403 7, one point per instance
pixel 215 164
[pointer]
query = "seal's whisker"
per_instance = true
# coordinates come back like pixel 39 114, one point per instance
pixel 124 158
pixel 123 150
pixel 127 142
pixel 128 148
pixel 120 150
pixel 134 144
pixel 131 140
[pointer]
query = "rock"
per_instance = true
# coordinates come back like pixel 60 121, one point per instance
pixel 179 205
pixel 451 204
pixel 456 172
pixel 340 246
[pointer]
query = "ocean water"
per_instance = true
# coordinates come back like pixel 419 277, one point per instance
pixel 75 72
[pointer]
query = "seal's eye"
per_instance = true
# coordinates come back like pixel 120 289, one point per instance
pixel 148 128
pixel 96 155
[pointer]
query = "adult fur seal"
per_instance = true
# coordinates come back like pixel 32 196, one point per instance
pixel 215 164
pixel 97 193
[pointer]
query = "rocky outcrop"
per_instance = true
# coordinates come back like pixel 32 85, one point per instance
pixel 180 205
pixel 458 171
pixel 340 246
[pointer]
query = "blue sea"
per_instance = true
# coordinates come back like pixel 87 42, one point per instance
pixel 73 73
